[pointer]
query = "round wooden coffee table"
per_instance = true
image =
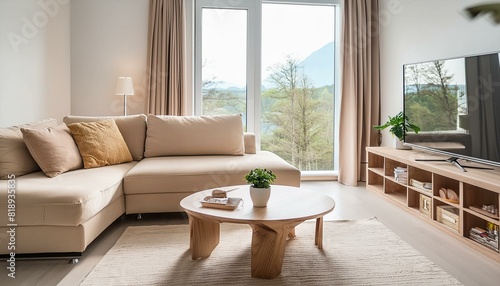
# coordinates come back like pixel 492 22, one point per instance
pixel 287 207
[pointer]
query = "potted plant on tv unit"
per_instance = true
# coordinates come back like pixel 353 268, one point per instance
pixel 260 188
pixel 399 126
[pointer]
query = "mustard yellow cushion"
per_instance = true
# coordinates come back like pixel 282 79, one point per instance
pixel 100 143
pixel 194 135
pixel 53 149
pixel 15 158
pixel 132 128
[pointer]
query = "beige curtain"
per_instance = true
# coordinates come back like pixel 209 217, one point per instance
pixel 360 97
pixel 166 57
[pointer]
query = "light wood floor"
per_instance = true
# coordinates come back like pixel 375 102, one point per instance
pixel 468 266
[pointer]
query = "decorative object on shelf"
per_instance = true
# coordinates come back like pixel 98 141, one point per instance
pixel 260 188
pixel 424 206
pixel 448 216
pixel 424 186
pixel 124 86
pixel 487 210
pixel 401 175
pixel 399 126
pixel 448 195
pixel 488 238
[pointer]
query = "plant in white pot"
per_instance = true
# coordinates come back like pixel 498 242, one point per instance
pixel 399 126
pixel 260 188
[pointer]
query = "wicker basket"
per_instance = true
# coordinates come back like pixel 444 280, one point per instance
pixel 425 206
pixel 448 216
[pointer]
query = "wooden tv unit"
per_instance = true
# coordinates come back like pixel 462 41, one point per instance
pixel 474 188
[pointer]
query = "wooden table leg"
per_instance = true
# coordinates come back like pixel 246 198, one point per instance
pixel 318 236
pixel 268 248
pixel 204 237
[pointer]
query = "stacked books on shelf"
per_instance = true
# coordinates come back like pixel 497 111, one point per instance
pixel 401 175
pixel 488 238
pixel 424 186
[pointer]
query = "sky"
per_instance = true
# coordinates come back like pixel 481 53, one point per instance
pixel 295 30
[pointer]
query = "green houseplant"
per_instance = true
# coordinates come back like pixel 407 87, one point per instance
pixel 260 181
pixel 398 124
pixel 260 178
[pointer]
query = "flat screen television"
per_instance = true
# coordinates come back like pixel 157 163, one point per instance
pixel 456 104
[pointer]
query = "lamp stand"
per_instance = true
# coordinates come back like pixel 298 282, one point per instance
pixel 125 105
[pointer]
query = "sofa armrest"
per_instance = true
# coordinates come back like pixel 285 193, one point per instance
pixel 249 139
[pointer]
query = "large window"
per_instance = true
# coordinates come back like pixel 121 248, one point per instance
pixel 273 62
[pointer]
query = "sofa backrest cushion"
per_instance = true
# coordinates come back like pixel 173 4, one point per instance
pixel 194 135
pixel 132 128
pixel 15 158
pixel 53 148
pixel 100 143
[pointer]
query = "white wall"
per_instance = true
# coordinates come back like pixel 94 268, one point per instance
pixel 423 30
pixel 34 60
pixel 108 40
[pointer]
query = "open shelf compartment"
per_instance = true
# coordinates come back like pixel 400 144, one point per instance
pixel 419 180
pixel 375 161
pixel 488 242
pixel 420 202
pixel 447 185
pixel 390 165
pixel 481 202
pixel 375 181
pixel 396 191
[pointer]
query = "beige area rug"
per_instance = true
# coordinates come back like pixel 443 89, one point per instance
pixel 362 252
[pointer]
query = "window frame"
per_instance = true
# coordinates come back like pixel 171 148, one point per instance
pixel 254 69
pixel 252 60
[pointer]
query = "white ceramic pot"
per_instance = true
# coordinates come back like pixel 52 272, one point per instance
pixel 260 196
pixel 398 144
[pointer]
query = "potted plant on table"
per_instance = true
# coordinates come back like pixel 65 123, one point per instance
pixel 260 188
pixel 399 126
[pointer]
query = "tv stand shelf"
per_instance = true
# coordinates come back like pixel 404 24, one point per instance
pixel 475 188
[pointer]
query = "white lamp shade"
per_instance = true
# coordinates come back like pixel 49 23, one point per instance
pixel 124 86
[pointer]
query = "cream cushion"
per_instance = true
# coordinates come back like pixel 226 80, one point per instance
pixel 53 149
pixel 158 184
pixel 132 128
pixel 15 158
pixel 69 199
pixel 189 174
pixel 194 135
pixel 100 143
pixel 249 139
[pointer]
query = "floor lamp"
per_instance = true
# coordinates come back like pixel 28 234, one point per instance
pixel 124 86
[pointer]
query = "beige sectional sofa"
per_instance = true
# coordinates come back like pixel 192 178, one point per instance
pixel 172 157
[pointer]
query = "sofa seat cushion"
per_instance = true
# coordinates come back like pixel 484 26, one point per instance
pixel 189 174
pixel 69 199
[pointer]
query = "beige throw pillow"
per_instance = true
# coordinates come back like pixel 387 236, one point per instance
pixel 15 158
pixel 100 143
pixel 194 135
pixel 53 149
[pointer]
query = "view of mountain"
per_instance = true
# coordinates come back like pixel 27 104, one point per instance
pixel 319 66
